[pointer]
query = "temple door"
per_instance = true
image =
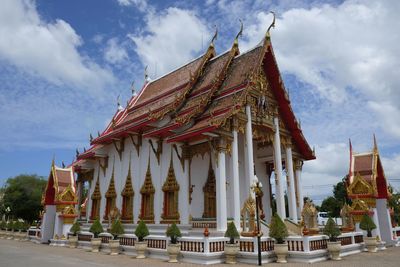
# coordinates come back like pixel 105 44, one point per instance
pixel 209 191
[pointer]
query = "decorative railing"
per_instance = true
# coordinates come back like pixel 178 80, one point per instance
pixel 192 244
pixel 127 240
pixel 204 224
pixel 358 239
pixel 217 246
pixel 318 244
pixel 246 246
pixel 295 245
pixel 105 238
pixel 157 242
pixel 85 236
pixel 345 240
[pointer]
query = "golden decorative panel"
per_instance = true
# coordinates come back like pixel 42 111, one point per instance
pixel 147 191
pixel 171 194
pixel 360 186
pixel 127 198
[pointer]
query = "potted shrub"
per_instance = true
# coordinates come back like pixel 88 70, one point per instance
pixel 96 229
pixel 368 225
pixel 174 248
pixel 141 232
pixel 73 240
pixel 334 246
pixel 231 248
pixel 116 230
pixel 278 231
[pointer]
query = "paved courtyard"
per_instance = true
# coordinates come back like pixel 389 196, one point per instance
pixel 27 254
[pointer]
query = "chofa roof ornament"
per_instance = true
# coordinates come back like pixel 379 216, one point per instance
pixel 268 35
pixel 239 33
pixel 215 36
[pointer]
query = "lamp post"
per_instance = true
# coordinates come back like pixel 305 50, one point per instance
pixel 256 187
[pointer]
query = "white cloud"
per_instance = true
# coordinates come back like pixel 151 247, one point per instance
pixel 115 53
pixel 47 49
pixel 392 170
pixel 170 39
pixel 140 4
pixel 346 52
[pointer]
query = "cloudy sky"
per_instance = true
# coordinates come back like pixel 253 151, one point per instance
pixel 63 64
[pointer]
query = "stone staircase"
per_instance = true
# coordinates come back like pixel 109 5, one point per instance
pixel 292 227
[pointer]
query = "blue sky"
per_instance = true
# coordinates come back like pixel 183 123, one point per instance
pixel 63 64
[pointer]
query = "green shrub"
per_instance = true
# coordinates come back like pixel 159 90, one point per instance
pixel 117 228
pixel 96 228
pixel 26 226
pixel 232 233
pixel 75 228
pixel 367 224
pixel 141 231
pixel 173 232
pixel 277 229
pixel 331 230
pixel 2 225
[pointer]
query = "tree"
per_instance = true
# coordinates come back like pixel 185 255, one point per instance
pixel 332 206
pixel 367 224
pixel 331 230
pixel 23 194
pixel 394 203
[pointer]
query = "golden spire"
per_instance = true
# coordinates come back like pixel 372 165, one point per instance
pixel 267 35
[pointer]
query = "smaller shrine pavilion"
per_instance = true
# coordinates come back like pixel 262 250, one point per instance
pixel 368 190
pixel 59 200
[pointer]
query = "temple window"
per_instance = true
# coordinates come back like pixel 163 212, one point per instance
pixel 210 209
pixel 171 192
pixel 96 198
pixel 127 199
pixel 111 197
pixel 147 191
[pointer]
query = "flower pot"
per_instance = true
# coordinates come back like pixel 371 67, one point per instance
pixel 141 247
pixel 73 241
pixel 114 246
pixel 173 252
pixel 334 250
pixel 96 242
pixel 281 251
pixel 371 244
pixel 231 250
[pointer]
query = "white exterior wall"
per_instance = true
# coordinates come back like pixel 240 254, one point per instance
pixel 139 165
pixel 199 173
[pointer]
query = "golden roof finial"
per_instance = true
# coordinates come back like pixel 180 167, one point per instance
pixel 239 33
pixel 375 144
pixel 267 35
pixel 215 36
pixel 146 75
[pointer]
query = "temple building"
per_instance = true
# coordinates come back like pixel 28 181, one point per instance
pixel 368 189
pixel 193 140
pixel 59 200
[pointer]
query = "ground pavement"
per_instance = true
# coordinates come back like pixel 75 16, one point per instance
pixel 27 254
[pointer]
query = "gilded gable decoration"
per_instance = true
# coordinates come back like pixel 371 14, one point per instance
pixel 171 194
pixel 147 191
pixel 358 208
pixel 127 198
pixel 360 186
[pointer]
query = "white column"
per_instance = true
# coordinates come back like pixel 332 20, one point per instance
pixel 220 176
pixel 235 180
pixel 249 142
pixel 299 189
pixel 184 196
pixel 291 185
pixel 280 197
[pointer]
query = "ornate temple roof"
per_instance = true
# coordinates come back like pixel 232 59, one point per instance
pixel 60 187
pixel 200 96
pixel 366 175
